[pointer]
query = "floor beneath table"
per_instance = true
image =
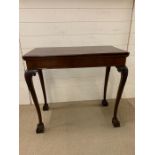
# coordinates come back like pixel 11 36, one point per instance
pixel 78 128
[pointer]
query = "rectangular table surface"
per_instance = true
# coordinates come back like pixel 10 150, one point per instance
pixel 73 51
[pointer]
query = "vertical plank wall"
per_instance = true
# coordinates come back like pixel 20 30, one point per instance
pixel 45 23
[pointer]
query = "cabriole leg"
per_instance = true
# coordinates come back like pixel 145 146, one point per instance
pixel 104 101
pixel 124 73
pixel 28 78
pixel 45 107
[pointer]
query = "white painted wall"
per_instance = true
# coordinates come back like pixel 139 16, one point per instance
pixel 45 23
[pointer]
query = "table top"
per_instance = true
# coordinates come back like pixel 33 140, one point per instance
pixel 73 51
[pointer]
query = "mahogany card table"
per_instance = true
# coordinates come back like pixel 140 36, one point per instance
pixel 75 57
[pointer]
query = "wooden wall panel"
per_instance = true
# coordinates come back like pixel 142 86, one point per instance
pixel 75 4
pixel 56 41
pixel 79 28
pixel 73 15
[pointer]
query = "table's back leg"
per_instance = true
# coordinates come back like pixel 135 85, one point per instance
pixel 104 101
pixel 45 107
pixel 28 78
pixel 124 74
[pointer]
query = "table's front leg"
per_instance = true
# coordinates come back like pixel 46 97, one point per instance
pixel 45 107
pixel 28 78
pixel 124 73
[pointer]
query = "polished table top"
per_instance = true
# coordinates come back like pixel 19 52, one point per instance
pixel 74 57
pixel 68 51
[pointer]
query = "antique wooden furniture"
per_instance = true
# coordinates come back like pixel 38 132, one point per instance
pixel 75 57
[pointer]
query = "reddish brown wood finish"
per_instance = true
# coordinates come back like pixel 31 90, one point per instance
pixel 104 102
pixel 74 57
pixel 75 61
pixel 124 74
pixel 74 51
pixel 45 107
pixel 79 57
pixel 28 77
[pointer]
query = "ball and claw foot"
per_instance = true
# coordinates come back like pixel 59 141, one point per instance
pixel 115 122
pixel 45 107
pixel 40 128
pixel 104 103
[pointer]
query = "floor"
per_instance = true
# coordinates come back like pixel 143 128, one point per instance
pixel 78 128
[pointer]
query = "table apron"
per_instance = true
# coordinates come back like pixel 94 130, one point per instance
pixel 74 62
